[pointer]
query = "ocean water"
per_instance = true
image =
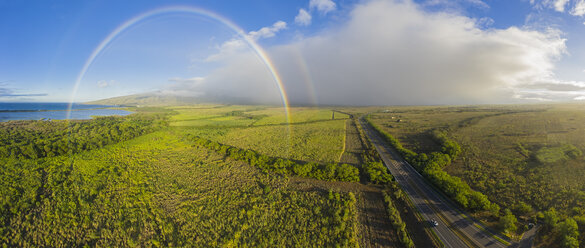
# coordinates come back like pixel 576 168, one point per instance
pixel 54 111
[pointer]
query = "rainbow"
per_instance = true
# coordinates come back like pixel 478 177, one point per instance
pixel 190 10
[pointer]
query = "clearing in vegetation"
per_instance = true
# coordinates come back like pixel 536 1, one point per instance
pixel 311 137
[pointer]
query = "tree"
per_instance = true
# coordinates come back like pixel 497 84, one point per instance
pixel 522 208
pixel 571 242
pixel 569 232
pixel 303 169
pixel 478 201
pixel 551 218
pixel 347 173
pixel 508 221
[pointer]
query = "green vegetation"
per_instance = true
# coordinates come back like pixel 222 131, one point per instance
pixel 200 175
pixel 448 146
pixel 377 173
pixel 137 181
pixel 565 233
pixel 528 158
pixel 160 190
pixel 330 172
pixel 397 222
pixel 297 115
pixel 39 139
pixel 508 222
pixel 317 139
pixel 557 154
pixel 315 142
pixel 569 232
pixel 431 167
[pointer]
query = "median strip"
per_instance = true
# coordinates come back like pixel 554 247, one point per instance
pixel 469 242
pixel 421 218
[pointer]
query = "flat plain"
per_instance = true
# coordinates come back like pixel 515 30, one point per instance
pixel 157 186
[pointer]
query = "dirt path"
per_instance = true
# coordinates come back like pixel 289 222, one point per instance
pixel 375 227
pixel 353 144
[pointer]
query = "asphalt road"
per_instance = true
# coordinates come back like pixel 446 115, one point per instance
pixel 454 229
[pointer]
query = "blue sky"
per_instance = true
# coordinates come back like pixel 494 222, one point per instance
pixel 368 52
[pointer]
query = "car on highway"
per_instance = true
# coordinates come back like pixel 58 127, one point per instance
pixel 434 223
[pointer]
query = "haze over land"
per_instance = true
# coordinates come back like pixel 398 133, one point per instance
pixel 326 52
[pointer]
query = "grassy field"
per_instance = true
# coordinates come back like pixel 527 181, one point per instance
pixel 211 116
pixel 411 125
pixel 311 135
pixel 234 115
pixel 315 142
pixel 298 115
pixel 533 157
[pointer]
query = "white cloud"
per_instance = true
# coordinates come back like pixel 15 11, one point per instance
pixel 105 83
pixel 236 45
pixel 479 3
pixel 267 32
pixel 227 49
pixel 392 52
pixel 579 9
pixel 7 92
pixel 323 6
pixel 303 18
pixel 560 5
pixel 485 22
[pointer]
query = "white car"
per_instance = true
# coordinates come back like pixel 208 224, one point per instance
pixel 434 223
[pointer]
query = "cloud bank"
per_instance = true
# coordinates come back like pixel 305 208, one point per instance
pixel 393 52
pixel 6 92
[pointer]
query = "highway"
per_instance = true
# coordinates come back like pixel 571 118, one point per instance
pixel 454 229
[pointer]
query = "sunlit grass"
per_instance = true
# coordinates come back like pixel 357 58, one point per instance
pixel 318 142
pixel 298 115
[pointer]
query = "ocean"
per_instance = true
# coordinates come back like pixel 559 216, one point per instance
pixel 54 111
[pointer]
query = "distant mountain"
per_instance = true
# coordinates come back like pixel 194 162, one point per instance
pixel 162 99
pixel 148 99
